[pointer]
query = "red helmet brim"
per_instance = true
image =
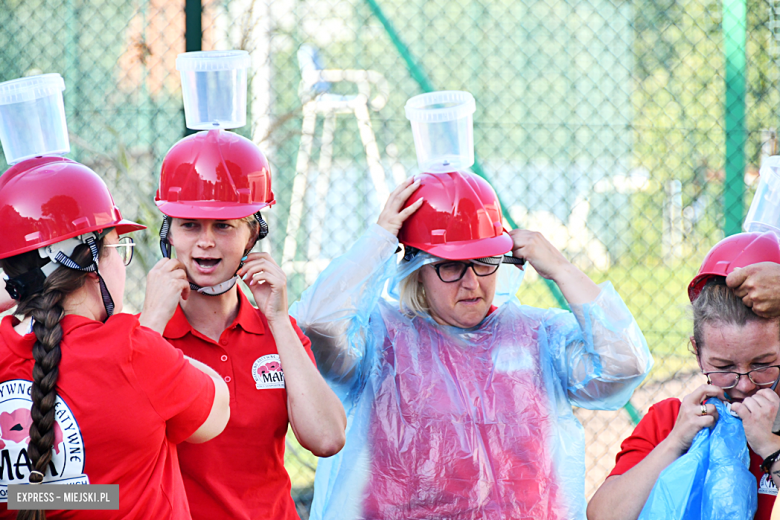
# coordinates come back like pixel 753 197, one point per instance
pixel 215 211
pixel 128 226
pixel 468 249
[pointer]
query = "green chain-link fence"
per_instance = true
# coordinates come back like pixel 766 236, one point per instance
pixel 601 123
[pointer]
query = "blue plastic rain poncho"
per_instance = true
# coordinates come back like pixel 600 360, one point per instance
pixel 712 481
pixel 460 423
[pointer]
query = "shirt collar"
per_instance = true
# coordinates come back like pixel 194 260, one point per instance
pixel 249 319
pixel 22 345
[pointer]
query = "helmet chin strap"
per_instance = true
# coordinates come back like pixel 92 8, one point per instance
pixel 216 290
pixel 32 281
pixel 495 260
pixel 220 288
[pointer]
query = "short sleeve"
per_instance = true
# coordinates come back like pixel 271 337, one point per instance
pixel 651 430
pixel 181 394
pixel 304 340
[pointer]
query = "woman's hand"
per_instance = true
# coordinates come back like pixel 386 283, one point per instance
pixel 758 414
pixel 393 215
pixel 534 248
pixel 690 420
pixel 165 284
pixel 759 287
pixel 550 263
pixel 622 497
pixel 313 409
pixel 268 284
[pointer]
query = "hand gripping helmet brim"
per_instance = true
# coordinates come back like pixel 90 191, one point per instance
pixel 459 220
pixel 50 199
pixel 214 175
pixel 734 252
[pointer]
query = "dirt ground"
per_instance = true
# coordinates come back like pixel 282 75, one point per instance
pixel 604 431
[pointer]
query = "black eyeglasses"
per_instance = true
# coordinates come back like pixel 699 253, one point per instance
pixel 764 376
pixel 125 249
pixel 452 271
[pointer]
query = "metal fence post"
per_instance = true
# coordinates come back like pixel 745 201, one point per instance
pixel 193 28
pixel 193 35
pixel 734 34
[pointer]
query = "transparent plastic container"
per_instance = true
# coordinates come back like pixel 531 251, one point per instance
pixel 32 118
pixel 764 213
pixel 442 127
pixel 213 84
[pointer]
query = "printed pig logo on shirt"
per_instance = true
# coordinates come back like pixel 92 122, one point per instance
pixel 267 372
pixel 67 463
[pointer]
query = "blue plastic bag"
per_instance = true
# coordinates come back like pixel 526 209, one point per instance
pixel 712 481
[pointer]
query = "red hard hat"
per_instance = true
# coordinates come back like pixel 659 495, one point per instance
pixel 734 252
pixel 50 199
pixel 214 174
pixel 460 218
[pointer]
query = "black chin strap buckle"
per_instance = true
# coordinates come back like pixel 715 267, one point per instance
pixel 165 245
pixel 26 284
pixel 263 226
pixel 410 253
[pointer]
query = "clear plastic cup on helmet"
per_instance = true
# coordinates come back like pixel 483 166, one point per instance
pixel 213 84
pixel 32 118
pixel 442 127
pixel 764 213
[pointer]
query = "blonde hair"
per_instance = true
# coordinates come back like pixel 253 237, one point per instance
pixel 252 222
pixel 412 300
pixel 254 230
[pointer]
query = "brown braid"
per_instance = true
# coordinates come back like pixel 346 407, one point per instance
pixel 46 309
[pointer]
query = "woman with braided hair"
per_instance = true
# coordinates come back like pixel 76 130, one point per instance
pixel 89 395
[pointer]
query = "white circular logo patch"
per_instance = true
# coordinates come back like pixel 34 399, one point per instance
pixel 67 463
pixel 267 372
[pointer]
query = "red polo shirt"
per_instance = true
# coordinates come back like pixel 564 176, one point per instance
pixel 125 398
pixel 240 474
pixel 656 426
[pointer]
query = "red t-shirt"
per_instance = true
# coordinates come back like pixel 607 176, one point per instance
pixel 240 474
pixel 126 397
pixel 656 426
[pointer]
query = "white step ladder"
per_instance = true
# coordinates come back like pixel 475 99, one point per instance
pixel 318 101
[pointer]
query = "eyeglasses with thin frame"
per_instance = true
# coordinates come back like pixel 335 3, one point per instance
pixel 125 249
pixel 453 271
pixel 763 377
